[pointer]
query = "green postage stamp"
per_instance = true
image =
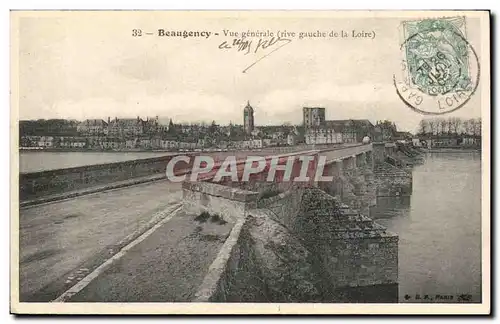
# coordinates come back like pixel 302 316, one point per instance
pixel 439 65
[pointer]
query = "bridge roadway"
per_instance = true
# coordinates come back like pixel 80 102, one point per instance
pixel 62 242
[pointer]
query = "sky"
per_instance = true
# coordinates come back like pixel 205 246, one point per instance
pixel 80 65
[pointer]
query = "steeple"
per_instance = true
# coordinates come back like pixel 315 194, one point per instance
pixel 248 107
pixel 248 121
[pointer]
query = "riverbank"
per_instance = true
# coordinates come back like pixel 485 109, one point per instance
pixel 452 150
pixel 86 150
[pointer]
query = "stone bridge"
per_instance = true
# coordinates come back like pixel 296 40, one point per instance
pixel 351 258
pixel 74 222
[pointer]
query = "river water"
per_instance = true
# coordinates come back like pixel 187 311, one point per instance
pixel 439 229
pixel 41 161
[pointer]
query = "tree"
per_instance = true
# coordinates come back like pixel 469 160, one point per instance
pixel 213 128
pixel 441 125
pixel 172 128
pixel 423 127
pixel 471 123
pixel 454 124
pixel 388 129
pixel 477 127
pixel 432 126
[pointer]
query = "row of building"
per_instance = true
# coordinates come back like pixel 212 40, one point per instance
pixel 318 130
pixel 448 141
pixel 121 127
pixel 137 133
pixel 142 143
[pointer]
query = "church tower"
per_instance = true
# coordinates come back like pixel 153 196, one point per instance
pixel 248 122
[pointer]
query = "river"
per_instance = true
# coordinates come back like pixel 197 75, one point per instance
pixel 439 228
pixel 33 161
pixel 41 161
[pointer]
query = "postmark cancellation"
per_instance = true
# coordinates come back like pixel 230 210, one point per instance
pixel 439 69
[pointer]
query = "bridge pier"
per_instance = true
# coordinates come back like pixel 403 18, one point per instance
pixel 369 159
pixel 361 160
pixel 390 179
pixel 335 187
pixel 349 163
pixel 378 152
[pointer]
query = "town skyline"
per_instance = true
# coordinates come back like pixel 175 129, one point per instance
pixel 297 121
pixel 117 77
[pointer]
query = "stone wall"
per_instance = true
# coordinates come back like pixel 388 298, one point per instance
pixel 306 238
pixel 351 250
pixel 353 182
pixel 43 183
pixel 233 276
pixel 284 207
pixel 392 181
pixel 379 152
pixel 229 203
pixel 302 245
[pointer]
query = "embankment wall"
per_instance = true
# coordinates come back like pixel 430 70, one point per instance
pixel 39 184
pixel 356 257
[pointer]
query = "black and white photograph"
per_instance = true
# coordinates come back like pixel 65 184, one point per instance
pixel 250 162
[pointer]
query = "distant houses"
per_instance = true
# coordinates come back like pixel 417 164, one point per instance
pixel 318 130
pixel 92 127
pixel 151 134
pixel 450 132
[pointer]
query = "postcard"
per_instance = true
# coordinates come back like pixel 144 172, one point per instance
pixel 250 162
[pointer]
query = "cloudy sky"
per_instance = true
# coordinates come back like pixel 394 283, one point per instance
pixel 88 65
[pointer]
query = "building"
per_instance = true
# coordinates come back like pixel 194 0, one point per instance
pixel 267 142
pixel 248 119
pixel 72 142
pixel 45 141
pixel 27 141
pixel 313 117
pixel 169 144
pixel 387 131
pixel 445 141
pixel 112 143
pixel 189 146
pixel 92 127
pixel 153 126
pixel 352 130
pixel 131 143
pixel 247 144
pixel 124 127
pixel 256 132
pixel 325 134
pixel 403 136
pixel 145 143
pixel 469 140
pixel 94 141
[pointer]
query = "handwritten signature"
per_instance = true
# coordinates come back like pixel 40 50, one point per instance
pixel 245 45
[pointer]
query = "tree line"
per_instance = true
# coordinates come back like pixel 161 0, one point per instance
pixel 449 126
pixel 61 127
